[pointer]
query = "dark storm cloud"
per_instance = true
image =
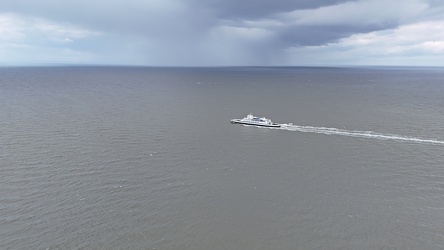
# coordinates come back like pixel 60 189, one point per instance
pixel 312 35
pixel 259 8
pixel 288 35
pixel 329 23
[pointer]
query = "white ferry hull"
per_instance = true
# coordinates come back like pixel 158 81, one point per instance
pixel 239 121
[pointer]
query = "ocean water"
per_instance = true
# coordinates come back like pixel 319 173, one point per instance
pixel 146 158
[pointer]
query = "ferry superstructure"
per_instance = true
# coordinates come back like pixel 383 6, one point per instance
pixel 255 121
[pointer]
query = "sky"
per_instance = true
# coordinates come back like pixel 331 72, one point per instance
pixel 222 32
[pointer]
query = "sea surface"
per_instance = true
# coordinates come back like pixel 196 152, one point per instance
pixel 146 158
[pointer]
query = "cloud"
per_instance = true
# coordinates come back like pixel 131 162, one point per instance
pixel 419 44
pixel 219 32
pixel 329 23
pixel 378 13
pixel 424 37
pixel 254 9
pixel 129 32
pixel 158 17
pixel 31 39
pixel 10 28
pixel 251 44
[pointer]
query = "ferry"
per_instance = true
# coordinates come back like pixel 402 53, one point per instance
pixel 256 121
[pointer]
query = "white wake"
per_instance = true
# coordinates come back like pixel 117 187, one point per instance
pixel 355 133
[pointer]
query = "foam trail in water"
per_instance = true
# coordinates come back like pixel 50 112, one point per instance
pixel 355 133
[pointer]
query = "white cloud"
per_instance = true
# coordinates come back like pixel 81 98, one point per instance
pixel 10 28
pixel 31 39
pixel 433 46
pixel 425 36
pixel 57 30
pixel 17 27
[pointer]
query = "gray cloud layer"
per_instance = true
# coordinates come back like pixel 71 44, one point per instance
pixel 220 31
